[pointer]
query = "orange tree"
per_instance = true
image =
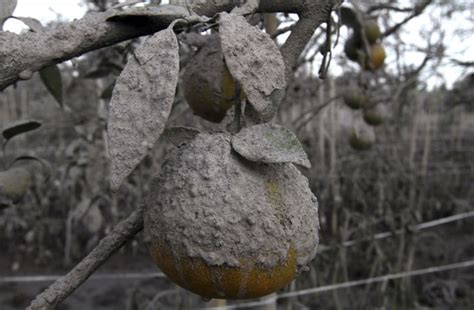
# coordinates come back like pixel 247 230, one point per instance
pixel 271 239
pixel 236 77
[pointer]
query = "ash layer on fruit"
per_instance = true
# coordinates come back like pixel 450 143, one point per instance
pixel 216 207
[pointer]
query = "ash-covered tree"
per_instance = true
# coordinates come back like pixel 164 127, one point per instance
pixel 223 205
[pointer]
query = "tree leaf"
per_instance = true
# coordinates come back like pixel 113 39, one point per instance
pixel 19 127
pixel 180 135
pixel 270 143
pixel 51 77
pixel 254 61
pixel 148 14
pixel 349 17
pixel 32 23
pixel 6 10
pixel 141 103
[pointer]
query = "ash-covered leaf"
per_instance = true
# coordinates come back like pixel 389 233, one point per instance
pixel 51 77
pixel 147 14
pixel 270 143
pixel 19 127
pixel 254 61
pixel 180 135
pixel 141 103
pixel 349 17
pixel 32 23
pixel 6 10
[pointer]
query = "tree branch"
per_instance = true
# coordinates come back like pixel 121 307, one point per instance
pixel 22 55
pixel 309 21
pixel 282 31
pixel 462 63
pixel 417 10
pixel 314 112
pixel 62 288
pixel 389 7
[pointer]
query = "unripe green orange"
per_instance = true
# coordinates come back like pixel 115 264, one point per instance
pixel 362 137
pixel 375 116
pixel 377 57
pixel 355 98
pixel 209 88
pixel 372 31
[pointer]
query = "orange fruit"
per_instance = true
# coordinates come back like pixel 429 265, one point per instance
pixel 372 31
pixel 355 98
pixel 375 116
pixel 209 88
pixel 246 281
pixel 225 227
pixel 377 57
pixel 362 137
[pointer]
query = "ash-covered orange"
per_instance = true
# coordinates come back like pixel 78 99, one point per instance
pixel 377 57
pixel 225 227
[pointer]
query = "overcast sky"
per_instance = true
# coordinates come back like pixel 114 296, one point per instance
pixel 46 10
pixel 462 49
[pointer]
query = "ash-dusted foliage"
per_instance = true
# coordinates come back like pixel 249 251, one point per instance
pixel 180 135
pixel 270 143
pixel 254 61
pixel 141 103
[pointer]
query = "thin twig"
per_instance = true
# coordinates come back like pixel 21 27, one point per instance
pixel 387 7
pixel 462 63
pixel 327 50
pixel 282 30
pixel 416 12
pixel 315 112
pixel 63 287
